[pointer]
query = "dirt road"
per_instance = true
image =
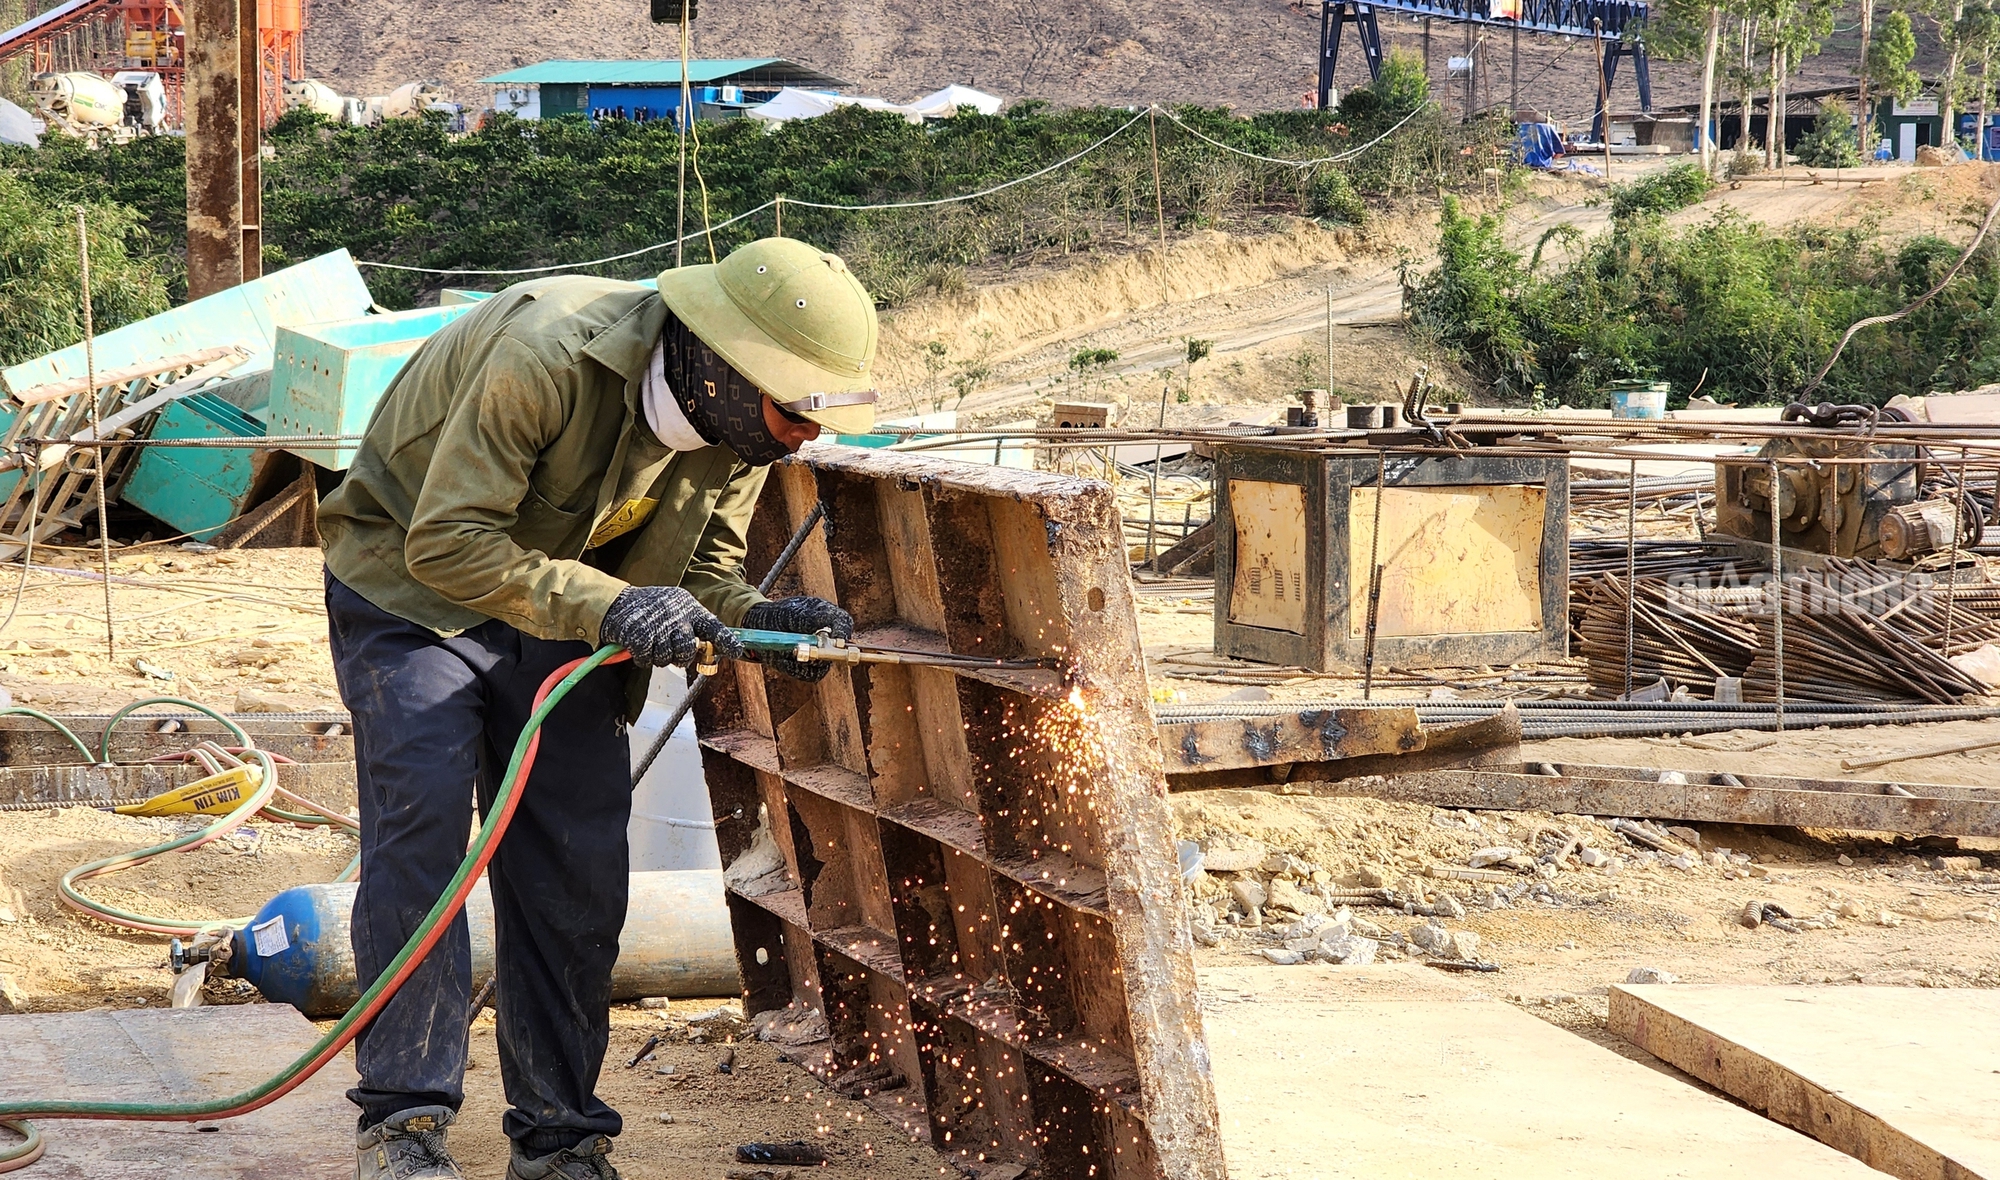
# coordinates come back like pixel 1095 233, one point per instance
pixel 1269 332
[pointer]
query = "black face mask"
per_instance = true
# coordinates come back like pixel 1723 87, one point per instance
pixel 720 404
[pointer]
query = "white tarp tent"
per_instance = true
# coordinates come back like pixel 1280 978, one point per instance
pixel 17 126
pixel 792 103
pixel 943 104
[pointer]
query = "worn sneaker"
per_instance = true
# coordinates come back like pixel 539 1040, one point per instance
pixel 408 1145
pixel 585 1161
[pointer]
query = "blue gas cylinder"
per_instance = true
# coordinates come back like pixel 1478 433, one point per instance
pixel 677 941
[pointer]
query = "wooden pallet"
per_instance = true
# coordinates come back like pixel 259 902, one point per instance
pixel 979 891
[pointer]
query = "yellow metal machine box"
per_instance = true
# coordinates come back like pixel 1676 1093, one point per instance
pixel 1473 553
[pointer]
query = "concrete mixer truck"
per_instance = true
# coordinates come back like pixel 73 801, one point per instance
pixel 322 99
pixel 125 105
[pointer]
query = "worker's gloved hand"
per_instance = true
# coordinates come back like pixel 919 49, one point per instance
pixel 806 616
pixel 663 625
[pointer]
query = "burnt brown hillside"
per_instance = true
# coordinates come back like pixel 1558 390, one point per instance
pixel 1255 55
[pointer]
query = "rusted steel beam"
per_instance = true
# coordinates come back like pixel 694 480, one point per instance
pixel 1311 735
pixel 1928 810
pixel 213 106
pixel 250 109
pixel 1489 741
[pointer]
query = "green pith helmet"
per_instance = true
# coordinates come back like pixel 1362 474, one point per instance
pixel 792 319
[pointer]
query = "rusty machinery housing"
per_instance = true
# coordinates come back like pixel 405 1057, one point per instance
pixel 1840 508
pixel 1473 548
pixel 954 890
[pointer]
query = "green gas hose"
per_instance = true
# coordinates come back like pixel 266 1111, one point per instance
pixel 483 845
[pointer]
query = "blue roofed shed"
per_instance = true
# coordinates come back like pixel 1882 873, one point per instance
pixel 718 87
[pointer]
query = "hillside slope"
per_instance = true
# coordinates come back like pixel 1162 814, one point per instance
pixel 1255 54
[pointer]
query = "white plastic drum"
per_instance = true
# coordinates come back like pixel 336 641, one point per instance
pixel 671 824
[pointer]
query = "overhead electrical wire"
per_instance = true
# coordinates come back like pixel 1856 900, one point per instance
pixel 1342 157
pixel 888 205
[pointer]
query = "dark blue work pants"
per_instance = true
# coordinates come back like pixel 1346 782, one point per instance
pixel 435 721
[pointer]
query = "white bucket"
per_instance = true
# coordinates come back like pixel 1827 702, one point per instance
pixel 1639 403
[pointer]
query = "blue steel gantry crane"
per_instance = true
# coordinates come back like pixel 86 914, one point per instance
pixel 1618 23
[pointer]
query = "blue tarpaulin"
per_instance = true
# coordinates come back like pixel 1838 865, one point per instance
pixel 1539 144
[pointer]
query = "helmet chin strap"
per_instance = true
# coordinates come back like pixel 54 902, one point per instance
pixel 827 401
pixel 723 406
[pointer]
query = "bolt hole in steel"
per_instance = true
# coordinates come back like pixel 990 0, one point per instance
pixel 763 957
pixel 1096 598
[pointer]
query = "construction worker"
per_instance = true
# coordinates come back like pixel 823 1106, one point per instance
pixel 572 463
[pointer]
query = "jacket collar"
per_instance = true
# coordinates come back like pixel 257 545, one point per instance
pixel 627 345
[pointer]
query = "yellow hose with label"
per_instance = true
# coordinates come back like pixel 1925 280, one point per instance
pixel 233 793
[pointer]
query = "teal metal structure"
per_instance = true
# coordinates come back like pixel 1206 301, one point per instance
pixel 328 378
pixel 197 490
pixel 326 288
pixel 177 486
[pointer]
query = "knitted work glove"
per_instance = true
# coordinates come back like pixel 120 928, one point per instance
pixel 662 625
pixel 807 616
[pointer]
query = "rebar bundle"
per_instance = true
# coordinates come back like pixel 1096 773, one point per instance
pixel 1655 558
pixel 1854 632
pixel 1674 637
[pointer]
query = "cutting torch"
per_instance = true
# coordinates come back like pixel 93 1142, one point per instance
pixel 824 647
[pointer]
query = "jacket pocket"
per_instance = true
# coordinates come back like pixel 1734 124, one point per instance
pixel 558 532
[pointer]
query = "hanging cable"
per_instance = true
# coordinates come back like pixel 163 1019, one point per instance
pixel 1971 248
pixel 789 200
pixel 1342 157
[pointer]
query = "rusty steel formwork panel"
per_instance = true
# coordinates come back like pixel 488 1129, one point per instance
pixel 961 885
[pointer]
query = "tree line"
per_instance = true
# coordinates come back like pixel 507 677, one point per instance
pixel 1744 46
pixel 519 193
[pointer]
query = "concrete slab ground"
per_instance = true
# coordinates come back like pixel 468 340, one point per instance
pixel 1387 1072
pixel 139 1055
pixel 1905 1079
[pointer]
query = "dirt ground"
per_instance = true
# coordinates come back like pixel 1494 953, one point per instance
pixel 244 631
pixel 1264 302
pixel 1560 942
pixel 244 628
pixel 688 1122
pixel 228 625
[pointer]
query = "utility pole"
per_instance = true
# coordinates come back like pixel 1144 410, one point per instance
pixel 1514 74
pixel 250 108
pixel 1603 95
pixel 1469 97
pixel 213 103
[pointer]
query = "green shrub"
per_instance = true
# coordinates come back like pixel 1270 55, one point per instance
pixel 1330 196
pixel 1472 302
pixel 1831 142
pixel 40 303
pixel 1672 188
pixel 1403 85
pixel 1748 312
pixel 524 194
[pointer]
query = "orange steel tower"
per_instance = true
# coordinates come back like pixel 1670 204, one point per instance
pixel 107 36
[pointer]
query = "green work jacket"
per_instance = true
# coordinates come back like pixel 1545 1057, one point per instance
pixel 512 440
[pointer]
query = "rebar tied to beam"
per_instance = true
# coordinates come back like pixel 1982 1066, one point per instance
pixel 1546 720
